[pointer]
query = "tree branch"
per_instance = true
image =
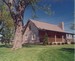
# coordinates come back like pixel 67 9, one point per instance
pixel 5 2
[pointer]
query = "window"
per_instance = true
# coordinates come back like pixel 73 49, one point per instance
pixel 33 37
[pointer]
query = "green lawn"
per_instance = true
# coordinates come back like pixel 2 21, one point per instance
pixel 38 53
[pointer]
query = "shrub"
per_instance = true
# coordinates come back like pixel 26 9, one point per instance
pixel 45 41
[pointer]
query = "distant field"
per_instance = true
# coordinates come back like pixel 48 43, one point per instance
pixel 38 53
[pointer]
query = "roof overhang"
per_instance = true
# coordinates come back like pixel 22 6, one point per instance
pixel 58 31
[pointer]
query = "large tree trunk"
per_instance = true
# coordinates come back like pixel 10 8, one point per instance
pixel 17 42
pixel 17 16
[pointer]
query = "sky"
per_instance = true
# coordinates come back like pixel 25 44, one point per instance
pixel 63 11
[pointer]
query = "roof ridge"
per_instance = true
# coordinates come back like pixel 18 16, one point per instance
pixel 44 22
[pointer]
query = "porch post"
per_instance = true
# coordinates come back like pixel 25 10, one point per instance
pixel 72 38
pixel 55 38
pixel 62 38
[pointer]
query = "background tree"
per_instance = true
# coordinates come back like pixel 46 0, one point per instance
pixel 73 26
pixel 17 9
pixel 6 25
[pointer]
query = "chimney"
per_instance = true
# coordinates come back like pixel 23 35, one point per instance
pixel 61 25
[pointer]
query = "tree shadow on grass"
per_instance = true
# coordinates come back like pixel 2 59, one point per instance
pixel 32 45
pixel 71 50
pixel 5 46
pixel 28 45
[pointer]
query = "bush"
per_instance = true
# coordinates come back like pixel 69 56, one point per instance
pixel 45 41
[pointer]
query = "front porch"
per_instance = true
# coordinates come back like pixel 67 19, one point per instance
pixel 56 38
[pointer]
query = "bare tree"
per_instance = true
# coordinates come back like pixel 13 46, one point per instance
pixel 17 9
pixel 73 26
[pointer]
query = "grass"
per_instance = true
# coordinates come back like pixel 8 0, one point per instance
pixel 38 53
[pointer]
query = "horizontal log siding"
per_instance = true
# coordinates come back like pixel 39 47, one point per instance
pixel 58 39
pixel 51 40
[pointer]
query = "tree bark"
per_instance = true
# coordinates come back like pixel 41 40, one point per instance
pixel 17 42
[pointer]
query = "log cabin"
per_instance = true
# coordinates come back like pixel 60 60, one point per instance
pixel 34 32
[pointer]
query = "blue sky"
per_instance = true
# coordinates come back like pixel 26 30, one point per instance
pixel 63 12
